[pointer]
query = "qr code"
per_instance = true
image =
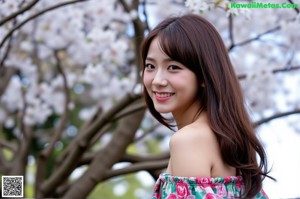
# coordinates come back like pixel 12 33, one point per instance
pixel 12 186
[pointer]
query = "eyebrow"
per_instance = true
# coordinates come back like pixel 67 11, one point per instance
pixel 149 59
pixel 152 59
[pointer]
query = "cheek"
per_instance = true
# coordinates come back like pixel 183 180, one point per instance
pixel 191 86
pixel 147 80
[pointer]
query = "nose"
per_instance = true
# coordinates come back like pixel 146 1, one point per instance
pixel 160 79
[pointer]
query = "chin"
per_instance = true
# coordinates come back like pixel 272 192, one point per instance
pixel 162 110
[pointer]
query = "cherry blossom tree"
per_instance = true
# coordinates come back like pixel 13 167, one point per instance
pixel 70 83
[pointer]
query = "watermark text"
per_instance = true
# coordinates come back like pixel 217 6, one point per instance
pixel 255 4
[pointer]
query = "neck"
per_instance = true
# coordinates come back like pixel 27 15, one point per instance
pixel 188 116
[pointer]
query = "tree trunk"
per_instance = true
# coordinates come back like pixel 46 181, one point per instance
pixel 105 158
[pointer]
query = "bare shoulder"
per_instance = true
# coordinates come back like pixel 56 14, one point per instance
pixel 191 132
pixel 193 150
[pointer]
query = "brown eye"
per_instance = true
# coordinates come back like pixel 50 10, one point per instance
pixel 174 67
pixel 149 66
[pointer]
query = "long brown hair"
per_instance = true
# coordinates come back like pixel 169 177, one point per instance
pixel 194 42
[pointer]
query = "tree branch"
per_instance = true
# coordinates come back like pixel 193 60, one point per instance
pixel 87 159
pixel 81 142
pixel 8 145
pixel 107 117
pixel 127 111
pixel 106 157
pixel 19 161
pixel 139 28
pixel 21 11
pixel 146 132
pixel 98 136
pixel 6 74
pixel 9 34
pixel 45 154
pixel 148 166
pixel 65 114
pixel 276 116
pixel 135 158
pixel 257 37
pixel 5 55
pixel 285 69
pixel 145 15
pixel 22 115
pixel 125 6
pixel 130 110
pixel 296 9
pixel 230 28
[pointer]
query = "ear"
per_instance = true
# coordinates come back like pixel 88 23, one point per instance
pixel 202 85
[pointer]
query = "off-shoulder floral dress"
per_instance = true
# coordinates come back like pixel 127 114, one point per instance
pixel 174 187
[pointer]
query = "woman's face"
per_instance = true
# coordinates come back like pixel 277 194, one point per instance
pixel 171 86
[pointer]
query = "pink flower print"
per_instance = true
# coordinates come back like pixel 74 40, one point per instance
pixel 182 190
pixel 156 195
pixel 209 196
pixel 221 191
pixel 227 179
pixel 190 197
pixel 172 196
pixel 156 186
pixel 238 185
pixel 204 181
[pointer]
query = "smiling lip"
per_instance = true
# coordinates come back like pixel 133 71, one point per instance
pixel 162 96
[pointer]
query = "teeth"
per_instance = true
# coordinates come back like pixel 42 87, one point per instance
pixel 164 94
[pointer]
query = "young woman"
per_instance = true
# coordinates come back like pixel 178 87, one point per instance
pixel 187 72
